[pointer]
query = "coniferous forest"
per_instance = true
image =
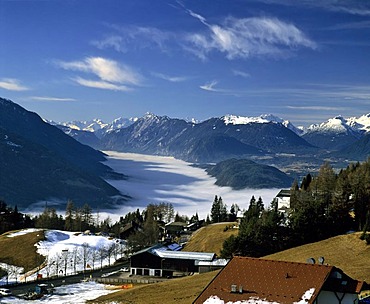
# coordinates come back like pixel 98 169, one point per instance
pixel 322 206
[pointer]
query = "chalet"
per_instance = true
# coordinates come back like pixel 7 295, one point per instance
pixel 128 229
pixel 175 228
pixel 252 280
pixel 164 261
pixel 282 201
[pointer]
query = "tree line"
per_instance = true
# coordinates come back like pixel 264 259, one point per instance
pixel 322 206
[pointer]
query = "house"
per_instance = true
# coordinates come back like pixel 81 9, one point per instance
pixel 161 261
pixel 282 201
pixel 252 280
pixel 128 229
pixel 175 228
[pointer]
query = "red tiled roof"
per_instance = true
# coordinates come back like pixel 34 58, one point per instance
pixel 273 281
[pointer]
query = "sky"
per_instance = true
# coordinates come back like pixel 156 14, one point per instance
pixel 305 61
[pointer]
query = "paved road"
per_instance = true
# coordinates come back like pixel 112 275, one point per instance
pixel 23 288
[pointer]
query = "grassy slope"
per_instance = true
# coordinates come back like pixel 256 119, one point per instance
pixel 21 250
pixel 346 252
pixel 179 291
pixel 210 238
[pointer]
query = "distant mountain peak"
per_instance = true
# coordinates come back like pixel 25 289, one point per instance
pixel 264 118
pixel 337 124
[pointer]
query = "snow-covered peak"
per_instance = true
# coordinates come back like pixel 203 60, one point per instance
pixel 337 124
pixel 243 120
pixel 264 118
pixel 361 123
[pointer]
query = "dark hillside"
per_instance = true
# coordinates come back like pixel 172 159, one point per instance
pixel 243 173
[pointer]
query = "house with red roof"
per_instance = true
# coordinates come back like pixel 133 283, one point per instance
pixel 262 281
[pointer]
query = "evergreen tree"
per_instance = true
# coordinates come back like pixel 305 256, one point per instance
pixel 69 217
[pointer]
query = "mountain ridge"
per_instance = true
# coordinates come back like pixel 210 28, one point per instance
pixel 66 169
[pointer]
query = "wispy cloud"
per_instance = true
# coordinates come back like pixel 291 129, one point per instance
pixel 12 84
pixel 352 7
pixel 134 37
pixel 111 74
pixel 351 25
pixel 47 98
pixel 170 78
pixel 241 74
pixel 314 108
pixel 210 86
pixel 247 37
pixel 101 85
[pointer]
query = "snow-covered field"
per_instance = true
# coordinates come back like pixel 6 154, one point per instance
pixel 156 179
pixel 74 293
pixel 68 253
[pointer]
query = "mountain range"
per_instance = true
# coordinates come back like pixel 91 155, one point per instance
pixel 225 137
pixel 42 160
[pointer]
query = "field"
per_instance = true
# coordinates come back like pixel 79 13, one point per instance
pixel 21 250
pixel 346 252
pixel 179 291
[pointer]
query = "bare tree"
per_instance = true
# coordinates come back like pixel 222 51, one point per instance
pixel 86 253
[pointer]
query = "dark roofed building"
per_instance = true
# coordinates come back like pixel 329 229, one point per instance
pixel 269 281
pixel 163 261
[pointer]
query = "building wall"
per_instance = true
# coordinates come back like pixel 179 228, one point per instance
pixel 328 297
pixel 283 202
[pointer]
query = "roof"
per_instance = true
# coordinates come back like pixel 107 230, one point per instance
pixel 180 224
pixel 184 255
pixel 173 252
pixel 216 262
pixel 269 280
pixel 283 193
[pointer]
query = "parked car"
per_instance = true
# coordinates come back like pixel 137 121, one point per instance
pixel 5 292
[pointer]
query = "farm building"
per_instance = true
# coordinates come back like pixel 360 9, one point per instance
pixel 253 280
pixel 167 261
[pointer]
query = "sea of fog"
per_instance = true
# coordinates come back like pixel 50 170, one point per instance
pixel 156 179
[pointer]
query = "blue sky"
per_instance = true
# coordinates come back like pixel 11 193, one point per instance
pixel 305 61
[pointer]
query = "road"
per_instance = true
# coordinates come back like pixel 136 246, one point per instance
pixel 23 288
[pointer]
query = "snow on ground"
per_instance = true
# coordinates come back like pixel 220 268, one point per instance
pixel 22 232
pixel 217 300
pixel 156 179
pixel 68 253
pixel 75 293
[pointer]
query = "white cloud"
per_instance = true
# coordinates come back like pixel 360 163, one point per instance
pixel 247 37
pixel 170 78
pixel 241 74
pixel 352 7
pixel 210 86
pixel 12 84
pixel 112 75
pixel 101 84
pixel 46 98
pixel 134 37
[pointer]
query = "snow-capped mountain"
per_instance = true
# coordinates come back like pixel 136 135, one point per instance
pixel 202 141
pixel 98 126
pixel 264 118
pixel 338 132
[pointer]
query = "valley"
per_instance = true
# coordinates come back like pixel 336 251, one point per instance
pixel 156 179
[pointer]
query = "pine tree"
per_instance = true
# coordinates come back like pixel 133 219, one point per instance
pixel 69 217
